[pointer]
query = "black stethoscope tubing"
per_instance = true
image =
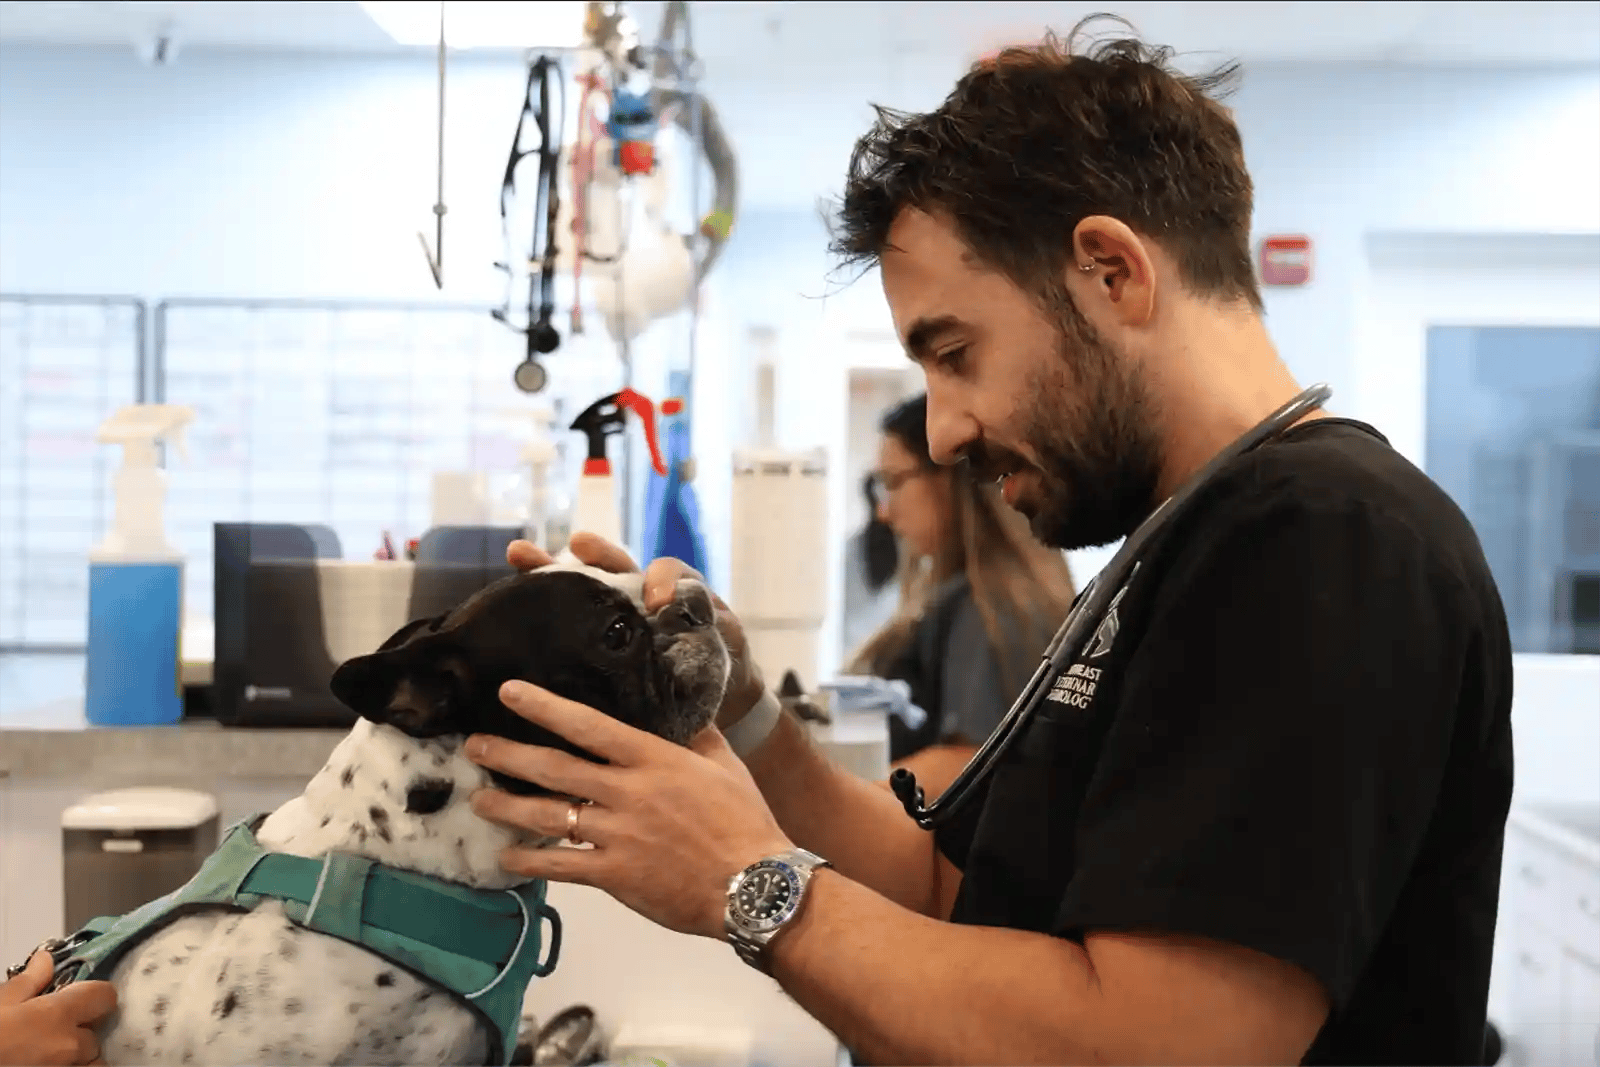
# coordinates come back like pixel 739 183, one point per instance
pixel 1080 623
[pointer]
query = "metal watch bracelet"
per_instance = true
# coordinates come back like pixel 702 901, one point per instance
pixel 751 946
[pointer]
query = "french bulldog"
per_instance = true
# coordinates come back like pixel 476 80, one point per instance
pixel 224 987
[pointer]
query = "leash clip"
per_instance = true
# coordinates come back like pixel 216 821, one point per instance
pixel 60 949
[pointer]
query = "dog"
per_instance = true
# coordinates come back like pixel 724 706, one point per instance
pixel 225 987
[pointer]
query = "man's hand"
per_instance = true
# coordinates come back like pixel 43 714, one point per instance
pixel 56 1028
pixel 669 824
pixel 745 684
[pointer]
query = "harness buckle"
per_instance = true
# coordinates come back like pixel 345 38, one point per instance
pixel 60 949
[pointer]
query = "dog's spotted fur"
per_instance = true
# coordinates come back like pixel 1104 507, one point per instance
pixel 232 988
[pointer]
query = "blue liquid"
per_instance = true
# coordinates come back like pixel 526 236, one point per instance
pixel 134 617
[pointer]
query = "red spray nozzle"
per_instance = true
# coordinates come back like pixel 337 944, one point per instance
pixel 604 417
pixel 672 405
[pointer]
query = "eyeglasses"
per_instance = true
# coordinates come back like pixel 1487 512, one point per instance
pixel 893 481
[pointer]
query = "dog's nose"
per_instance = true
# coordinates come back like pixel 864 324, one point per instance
pixel 690 609
pixel 695 602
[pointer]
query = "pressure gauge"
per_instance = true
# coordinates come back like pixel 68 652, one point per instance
pixel 530 376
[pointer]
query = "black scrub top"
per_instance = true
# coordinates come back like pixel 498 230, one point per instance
pixel 954 673
pixel 1291 732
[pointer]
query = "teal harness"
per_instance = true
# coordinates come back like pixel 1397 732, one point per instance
pixel 482 945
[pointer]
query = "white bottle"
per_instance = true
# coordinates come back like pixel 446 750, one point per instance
pixel 596 510
pixel 136 581
pixel 547 523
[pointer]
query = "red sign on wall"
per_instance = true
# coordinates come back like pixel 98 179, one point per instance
pixel 1286 260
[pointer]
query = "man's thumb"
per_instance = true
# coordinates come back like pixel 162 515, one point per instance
pixel 713 746
pixel 31 982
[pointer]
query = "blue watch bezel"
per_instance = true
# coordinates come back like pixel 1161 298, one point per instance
pixel 790 875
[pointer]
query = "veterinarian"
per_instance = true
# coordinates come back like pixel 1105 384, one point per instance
pixel 54 1028
pixel 1261 818
pixel 980 599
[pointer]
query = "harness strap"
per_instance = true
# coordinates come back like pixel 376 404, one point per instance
pixel 344 892
pixel 482 945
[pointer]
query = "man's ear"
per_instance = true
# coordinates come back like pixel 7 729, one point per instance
pixel 420 689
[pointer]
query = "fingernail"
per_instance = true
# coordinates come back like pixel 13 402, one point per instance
pixel 475 747
pixel 513 689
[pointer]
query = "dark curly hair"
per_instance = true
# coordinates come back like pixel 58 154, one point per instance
pixel 1036 138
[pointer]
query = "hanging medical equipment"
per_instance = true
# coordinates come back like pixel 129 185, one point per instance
pixel 611 234
pixel 632 129
pixel 1084 619
pixel 540 332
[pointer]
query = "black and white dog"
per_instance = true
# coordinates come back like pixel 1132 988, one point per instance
pixel 254 988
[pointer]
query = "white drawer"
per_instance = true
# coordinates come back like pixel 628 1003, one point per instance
pixel 1580 1014
pixel 1535 989
pixel 1558 891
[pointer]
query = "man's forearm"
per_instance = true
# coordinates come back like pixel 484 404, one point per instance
pixel 859 827
pixel 897 987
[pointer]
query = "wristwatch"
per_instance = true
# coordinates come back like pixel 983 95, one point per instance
pixel 764 898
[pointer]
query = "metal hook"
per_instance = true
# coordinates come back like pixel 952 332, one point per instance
pixel 435 255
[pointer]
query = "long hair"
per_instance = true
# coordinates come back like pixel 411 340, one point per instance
pixel 1021 588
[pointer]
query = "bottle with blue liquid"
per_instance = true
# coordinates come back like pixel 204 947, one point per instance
pixel 136 581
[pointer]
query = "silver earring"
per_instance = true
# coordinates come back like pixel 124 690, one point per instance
pixel 1087 267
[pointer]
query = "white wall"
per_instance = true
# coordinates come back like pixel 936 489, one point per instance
pixel 257 175
pixel 309 177
pixel 301 176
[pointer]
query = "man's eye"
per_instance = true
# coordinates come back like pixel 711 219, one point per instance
pixel 953 360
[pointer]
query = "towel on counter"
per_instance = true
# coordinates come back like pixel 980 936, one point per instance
pixel 865 693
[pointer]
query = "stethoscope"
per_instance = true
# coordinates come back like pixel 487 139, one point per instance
pixel 1084 619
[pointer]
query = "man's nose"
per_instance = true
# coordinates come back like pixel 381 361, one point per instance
pixel 950 431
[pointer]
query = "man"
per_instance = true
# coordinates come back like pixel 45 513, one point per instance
pixel 1267 826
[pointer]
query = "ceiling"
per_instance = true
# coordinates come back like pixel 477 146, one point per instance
pixel 759 37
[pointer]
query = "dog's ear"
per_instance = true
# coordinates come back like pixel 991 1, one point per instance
pixel 406 632
pixel 421 688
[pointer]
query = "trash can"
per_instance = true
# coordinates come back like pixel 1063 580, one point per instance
pixel 125 847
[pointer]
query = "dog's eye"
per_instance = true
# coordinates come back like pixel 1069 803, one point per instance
pixel 618 636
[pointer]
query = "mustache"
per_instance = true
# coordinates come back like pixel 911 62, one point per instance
pixel 987 463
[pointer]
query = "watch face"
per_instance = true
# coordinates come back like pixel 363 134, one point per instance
pixel 766 895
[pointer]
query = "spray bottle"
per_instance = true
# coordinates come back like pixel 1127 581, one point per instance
pixel 547 523
pixel 136 581
pixel 597 510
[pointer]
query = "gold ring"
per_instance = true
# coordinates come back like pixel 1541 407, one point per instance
pixel 572 823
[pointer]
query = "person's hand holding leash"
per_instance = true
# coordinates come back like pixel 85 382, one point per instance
pixel 669 825
pixel 56 1028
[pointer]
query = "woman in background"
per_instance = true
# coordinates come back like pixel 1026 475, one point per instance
pixel 979 600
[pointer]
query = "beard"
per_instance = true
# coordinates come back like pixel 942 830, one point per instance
pixel 1089 420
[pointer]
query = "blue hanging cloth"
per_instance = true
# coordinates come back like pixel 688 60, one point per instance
pixel 679 528
pixel 672 512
